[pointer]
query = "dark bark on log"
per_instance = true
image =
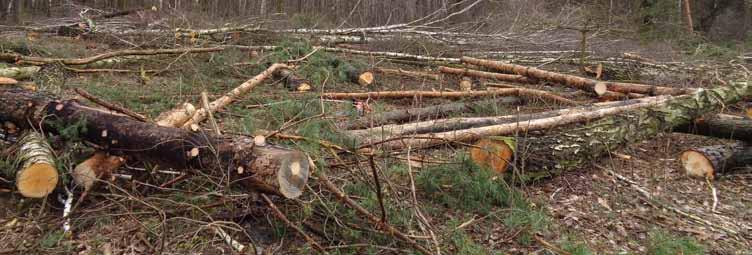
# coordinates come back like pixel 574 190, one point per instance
pixel 720 126
pixel 708 162
pixel 424 112
pixel 264 168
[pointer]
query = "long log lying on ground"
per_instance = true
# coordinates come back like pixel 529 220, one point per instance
pixel 458 127
pixel 721 126
pixel 598 87
pixel 396 55
pixel 565 150
pixel 19 73
pixel 234 94
pixel 487 75
pixel 37 176
pixel 413 74
pixel 263 168
pixel 429 111
pixel 443 94
pixel 708 162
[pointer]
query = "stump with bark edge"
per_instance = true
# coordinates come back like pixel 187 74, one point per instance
pixel 493 152
pixel 709 161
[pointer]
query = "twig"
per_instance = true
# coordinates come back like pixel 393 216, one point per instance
pixel 284 218
pixel 370 217
pixel 315 49
pixel 715 194
pixel 379 195
pixel 212 121
pixel 648 197
pixel 111 106
pixel 550 246
pixel 228 239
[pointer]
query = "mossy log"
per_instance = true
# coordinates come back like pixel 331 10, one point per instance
pixel 37 176
pixel 264 168
pixel 708 162
pixel 19 73
pixel 720 126
pixel 544 155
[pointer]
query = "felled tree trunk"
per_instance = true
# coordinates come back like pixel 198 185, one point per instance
pixel 549 154
pixel 19 73
pixel 487 75
pixel 424 112
pixel 264 167
pixel 38 174
pixel 451 94
pixel 413 74
pixel 597 87
pixel 721 126
pixel 470 128
pixel 232 95
pixel 708 162
pixel 176 117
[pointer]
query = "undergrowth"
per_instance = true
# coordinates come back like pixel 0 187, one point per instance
pixel 663 243
pixel 467 187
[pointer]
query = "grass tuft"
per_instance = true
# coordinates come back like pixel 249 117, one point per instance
pixel 663 243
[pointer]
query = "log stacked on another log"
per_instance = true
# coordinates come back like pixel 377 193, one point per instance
pixel 545 155
pixel 722 126
pixel 600 88
pixel 264 168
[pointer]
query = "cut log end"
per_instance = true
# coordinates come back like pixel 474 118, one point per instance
pixel 466 84
pixel 293 174
pixel 366 78
pixel 492 153
pixel 37 180
pixel 304 87
pixel 8 81
pixel 600 88
pixel 697 165
pixel 99 166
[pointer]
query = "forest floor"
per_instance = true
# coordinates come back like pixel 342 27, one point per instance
pixel 597 209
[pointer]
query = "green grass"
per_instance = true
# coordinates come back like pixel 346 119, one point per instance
pixel 574 246
pixel 462 242
pixel 465 186
pixel 664 243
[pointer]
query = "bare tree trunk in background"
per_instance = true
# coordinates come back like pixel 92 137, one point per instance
pixel 688 16
pixel 262 8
